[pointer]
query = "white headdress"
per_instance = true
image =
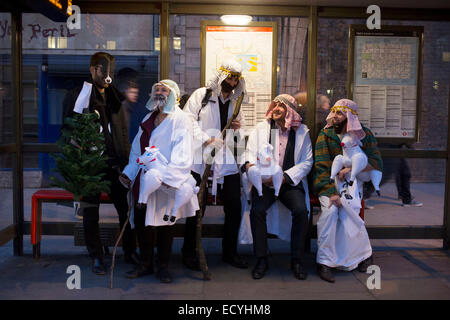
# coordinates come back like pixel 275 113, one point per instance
pixel 229 67
pixel 172 101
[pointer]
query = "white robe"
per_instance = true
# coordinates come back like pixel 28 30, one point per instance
pixel 206 124
pixel 342 238
pixel 173 137
pixel 279 219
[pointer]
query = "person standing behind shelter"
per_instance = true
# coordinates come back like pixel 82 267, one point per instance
pixel 99 95
pixel 322 108
pixel 301 99
pixel 292 151
pixel 336 249
pixel 127 79
pixel 323 105
pixel 210 108
pixel 399 168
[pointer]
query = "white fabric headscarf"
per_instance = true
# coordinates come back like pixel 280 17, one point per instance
pixel 350 109
pixel 229 67
pixel 172 100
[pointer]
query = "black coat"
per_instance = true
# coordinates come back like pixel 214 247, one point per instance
pixel 119 125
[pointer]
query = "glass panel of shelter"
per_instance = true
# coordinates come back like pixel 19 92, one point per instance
pixel 56 60
pixel 6 121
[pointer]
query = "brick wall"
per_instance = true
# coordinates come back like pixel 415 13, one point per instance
pixel 185 63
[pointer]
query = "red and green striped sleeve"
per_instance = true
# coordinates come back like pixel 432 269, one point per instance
pixel 322 167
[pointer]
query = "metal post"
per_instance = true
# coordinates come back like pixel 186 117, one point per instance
pixel 446 240
pixel 312 73
pixel 16 45
pixel 311 87
pixel 164 54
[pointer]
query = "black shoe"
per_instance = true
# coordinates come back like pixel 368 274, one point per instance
pixel 131 258
pixel 164 276
pixel 141 206
pixel 98 267
pixel 298 270
pixel 191 263
pixel 140 271
pixel 325 273
pixel 236 261
pixel 260 268
pixel 362 267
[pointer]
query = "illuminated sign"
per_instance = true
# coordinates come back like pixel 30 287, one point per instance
pixel 56 10
pixel 56 3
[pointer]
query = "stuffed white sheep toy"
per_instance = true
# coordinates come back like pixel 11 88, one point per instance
pixel 353 157
pixel 265 168
pixel 154 164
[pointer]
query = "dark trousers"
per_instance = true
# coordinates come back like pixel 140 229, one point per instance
pixel 402 181
pixel 230 194
pixel 118 194
pixel 398 167
pixel 148 236
pixel 294 199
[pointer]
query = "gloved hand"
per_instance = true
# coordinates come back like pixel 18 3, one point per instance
pixel 124 180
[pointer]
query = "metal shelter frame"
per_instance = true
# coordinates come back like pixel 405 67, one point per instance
pixel 17 149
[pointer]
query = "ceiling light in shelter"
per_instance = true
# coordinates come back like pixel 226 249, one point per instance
pixel 236 19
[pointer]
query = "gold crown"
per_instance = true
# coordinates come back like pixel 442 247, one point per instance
pixel 343 108
pixel 231 73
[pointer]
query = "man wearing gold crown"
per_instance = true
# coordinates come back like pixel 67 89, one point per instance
pixel 210 108
pixel 336 247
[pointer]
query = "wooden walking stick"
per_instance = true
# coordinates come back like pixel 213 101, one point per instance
pixel 201 198
pixel 116 245
pixel 115 249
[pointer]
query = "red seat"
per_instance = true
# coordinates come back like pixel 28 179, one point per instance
pixel 37 199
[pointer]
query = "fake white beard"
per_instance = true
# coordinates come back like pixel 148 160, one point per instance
pixel 152 104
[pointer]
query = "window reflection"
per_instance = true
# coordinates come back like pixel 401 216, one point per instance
pixel 56 60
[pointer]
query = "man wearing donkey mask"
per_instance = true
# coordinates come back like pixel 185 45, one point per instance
pixel 100 96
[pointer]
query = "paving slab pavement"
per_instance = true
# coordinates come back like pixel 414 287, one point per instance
pixel 418 271
pixel 410 269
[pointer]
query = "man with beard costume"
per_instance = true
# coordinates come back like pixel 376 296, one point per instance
pixel 210 108
pixel 100 96
pixel 167 128
pixel 336 249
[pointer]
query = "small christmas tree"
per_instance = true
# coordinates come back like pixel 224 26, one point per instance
pixel 82 159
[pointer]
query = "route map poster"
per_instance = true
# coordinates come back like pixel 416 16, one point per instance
pixel 385 80
pixel 254 46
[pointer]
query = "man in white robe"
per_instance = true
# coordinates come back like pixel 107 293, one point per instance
pixel 166 127
pixel 338 245
pixel 292 151
pixel 209 109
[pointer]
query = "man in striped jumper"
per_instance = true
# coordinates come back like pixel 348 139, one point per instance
pixel 336 248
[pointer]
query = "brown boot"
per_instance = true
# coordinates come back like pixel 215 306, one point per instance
pixel 325 273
